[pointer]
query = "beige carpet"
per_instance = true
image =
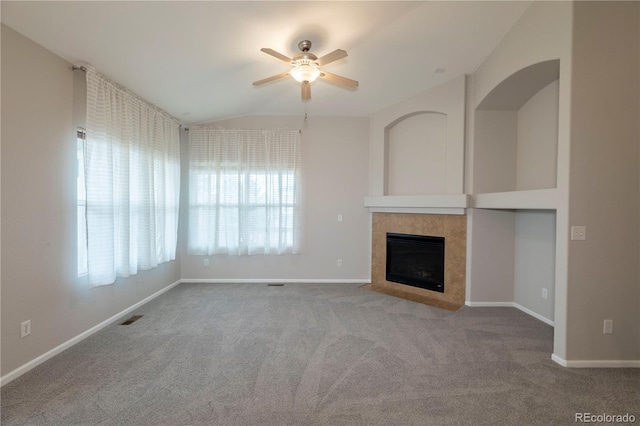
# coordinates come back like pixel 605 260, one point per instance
pixel 326 354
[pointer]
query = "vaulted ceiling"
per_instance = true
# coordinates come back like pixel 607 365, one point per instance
pixel 197 60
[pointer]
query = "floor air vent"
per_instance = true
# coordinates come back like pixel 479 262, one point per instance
pixel 275 285
pixel 132 320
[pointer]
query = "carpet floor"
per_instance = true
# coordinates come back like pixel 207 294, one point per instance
pixel 303 354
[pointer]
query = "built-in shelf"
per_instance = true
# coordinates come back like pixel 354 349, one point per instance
pixel 535 199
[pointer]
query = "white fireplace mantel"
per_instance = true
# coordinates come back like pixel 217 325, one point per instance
pixel 434 204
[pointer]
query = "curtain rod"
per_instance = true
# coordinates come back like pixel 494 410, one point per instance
pixel 187 129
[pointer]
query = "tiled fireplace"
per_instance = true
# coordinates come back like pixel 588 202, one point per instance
pixel 454 230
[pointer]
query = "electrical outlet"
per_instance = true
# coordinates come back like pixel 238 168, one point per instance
pixel 340 217
pixel 25 329
pixel 608 327
pixel 206 262
pixel 578 233
pixel 544 293
pixel 339 262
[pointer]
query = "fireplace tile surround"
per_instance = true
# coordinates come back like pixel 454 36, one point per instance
pixel 453 227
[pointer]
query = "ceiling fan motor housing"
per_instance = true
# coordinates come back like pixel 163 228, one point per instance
pixel 304 58
pixel 304 45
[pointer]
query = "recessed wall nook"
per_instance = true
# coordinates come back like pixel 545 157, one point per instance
pixel 514 181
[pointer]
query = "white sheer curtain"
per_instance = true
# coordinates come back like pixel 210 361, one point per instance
pixel 132 174
pixel 244 191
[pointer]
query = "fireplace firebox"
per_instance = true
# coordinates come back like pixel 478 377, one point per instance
pixel 416 260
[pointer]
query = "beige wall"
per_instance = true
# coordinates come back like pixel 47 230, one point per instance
pixel 535 257
pixel 491 267
pixel 535 231
pixel 416 149
pixel 334 174
pixel 537 152
pixel 39 212
pixel 495 143
pixel 603 270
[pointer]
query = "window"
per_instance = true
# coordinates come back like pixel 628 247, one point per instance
pixel 244 191
pixel 82 205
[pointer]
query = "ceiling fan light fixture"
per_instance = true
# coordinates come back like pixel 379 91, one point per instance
pixel 305 72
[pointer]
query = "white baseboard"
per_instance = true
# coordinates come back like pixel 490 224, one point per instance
pixel 614 363
pixel 534 314
pixel 558 360
pixel 274 280
pixel 511 305
pixel 489 304
pixel 55 351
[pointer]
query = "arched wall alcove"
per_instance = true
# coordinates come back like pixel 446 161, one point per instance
pixel 444 104
pixel 516 132
pixel 415 154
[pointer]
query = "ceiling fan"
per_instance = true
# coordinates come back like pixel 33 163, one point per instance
pixel 306 68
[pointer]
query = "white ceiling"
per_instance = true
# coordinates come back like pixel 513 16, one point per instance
pixel 197 60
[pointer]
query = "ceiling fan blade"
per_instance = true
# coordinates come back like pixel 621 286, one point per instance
pixel 276 54
pixel 330 57
pixel 306 91
pixel 272 78
pixel 347 82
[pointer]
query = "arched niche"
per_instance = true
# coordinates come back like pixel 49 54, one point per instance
pixel 517 89
pixel 415 146
pixel 516 132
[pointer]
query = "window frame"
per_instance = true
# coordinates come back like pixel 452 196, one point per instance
pixel 81 205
